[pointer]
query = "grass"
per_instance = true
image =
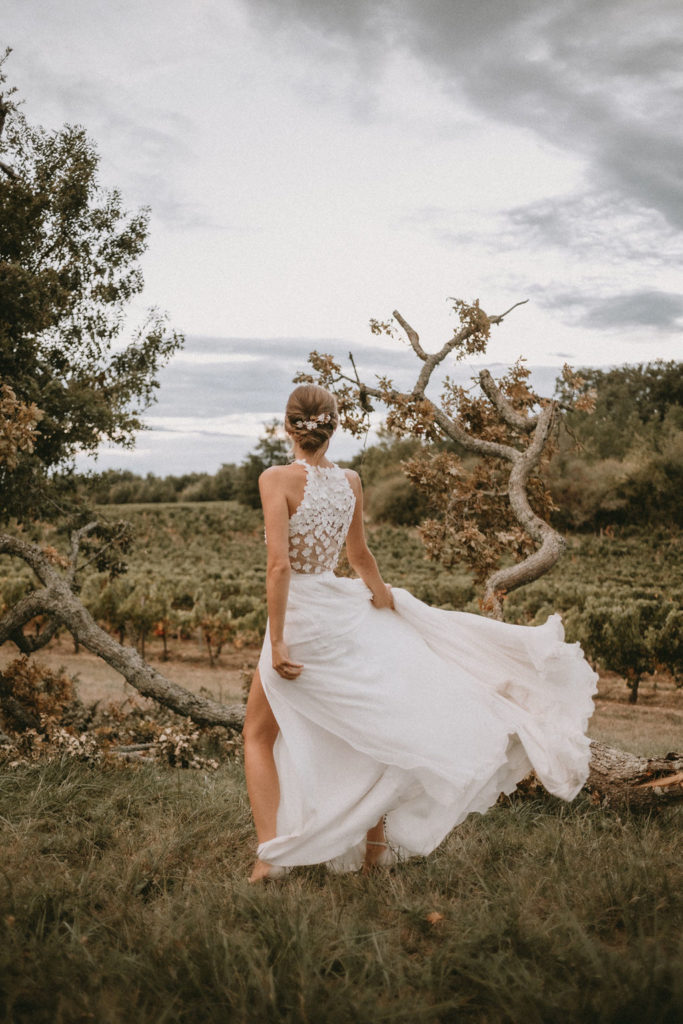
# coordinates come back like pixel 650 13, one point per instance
pixel 124 898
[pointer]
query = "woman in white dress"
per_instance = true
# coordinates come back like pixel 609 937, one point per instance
pixel 375 723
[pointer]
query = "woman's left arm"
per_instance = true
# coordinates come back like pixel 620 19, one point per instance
pixel 361 558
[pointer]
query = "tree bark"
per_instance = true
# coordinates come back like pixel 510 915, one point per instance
pixel 620 778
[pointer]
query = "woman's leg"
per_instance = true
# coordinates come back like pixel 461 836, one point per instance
pixel 376 845
pixel 263 786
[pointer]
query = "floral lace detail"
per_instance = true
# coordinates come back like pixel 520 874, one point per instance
pixel 319 526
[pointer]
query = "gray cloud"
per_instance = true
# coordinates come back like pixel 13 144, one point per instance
pixel 597 223
pixel 597 79
pixel 658 310
pixel 147 138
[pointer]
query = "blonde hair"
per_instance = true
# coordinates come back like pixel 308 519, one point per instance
pixel 311 416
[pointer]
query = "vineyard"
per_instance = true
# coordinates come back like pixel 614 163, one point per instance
pixel 196 582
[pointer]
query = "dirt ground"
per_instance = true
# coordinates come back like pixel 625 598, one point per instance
pixel 96 680
pixel 652 726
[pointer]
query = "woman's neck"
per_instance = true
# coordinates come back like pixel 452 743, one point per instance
pixel 316 458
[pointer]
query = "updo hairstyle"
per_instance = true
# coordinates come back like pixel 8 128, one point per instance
pixel 307 405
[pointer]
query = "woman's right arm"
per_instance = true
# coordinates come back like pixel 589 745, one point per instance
pixel 359 554
pixel 276 518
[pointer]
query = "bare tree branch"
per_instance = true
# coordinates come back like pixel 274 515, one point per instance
pixel 552 544
pixel 13 621
pixel 617 777
pixel 412 335
pixel 477 445
pixel 505 410
pixel 76 538
pixel 436 358
pixel 30 644
pixel 500 316
pixel 32 555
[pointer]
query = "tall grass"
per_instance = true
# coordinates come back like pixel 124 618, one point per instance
pixel 123 897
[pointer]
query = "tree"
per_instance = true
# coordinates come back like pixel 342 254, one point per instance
pixel 495 506
pixel 69 265
pixel 630 465
pixel 271 450
pixel 633 637
pixel 69 255
pixel 628 401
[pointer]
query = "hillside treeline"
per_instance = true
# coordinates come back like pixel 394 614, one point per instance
pixel 619 465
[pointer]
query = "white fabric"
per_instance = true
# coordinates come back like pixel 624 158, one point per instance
pixel 421 714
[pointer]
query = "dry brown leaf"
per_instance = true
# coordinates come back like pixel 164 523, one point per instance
pixel 434 917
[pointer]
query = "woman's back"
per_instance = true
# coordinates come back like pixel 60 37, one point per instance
pixel 318 527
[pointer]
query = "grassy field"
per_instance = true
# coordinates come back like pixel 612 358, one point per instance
pixel 124 898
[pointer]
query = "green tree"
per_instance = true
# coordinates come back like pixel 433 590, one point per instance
pixel 69 266
pixel 629 466
pixel 271 450
pixel 631 402
pixel 633 636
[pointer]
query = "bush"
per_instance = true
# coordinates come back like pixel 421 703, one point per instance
pixel 632 637
pixel 395 500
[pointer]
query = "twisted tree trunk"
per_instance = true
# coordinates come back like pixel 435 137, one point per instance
pixel 522 461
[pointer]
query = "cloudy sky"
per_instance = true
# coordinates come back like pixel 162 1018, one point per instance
pixel 313 163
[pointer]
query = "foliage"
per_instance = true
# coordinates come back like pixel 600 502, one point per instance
pixel 69 266
pixel 43 719
pixel 196 576
pixel 271 450
pixel 632 637
pixel 389 496
pixel 640 482
pixel 30 693
pixel 123 487
pixel 624 463
pixel 18 427
pixel 631 401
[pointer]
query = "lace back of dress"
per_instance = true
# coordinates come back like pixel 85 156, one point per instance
pixel 319 526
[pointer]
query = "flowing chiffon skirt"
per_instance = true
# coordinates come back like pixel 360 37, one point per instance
pixel 421 714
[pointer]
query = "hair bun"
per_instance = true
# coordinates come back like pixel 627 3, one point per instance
pixel 311 416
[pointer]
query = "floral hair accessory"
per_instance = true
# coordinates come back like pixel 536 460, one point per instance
pixel 314 422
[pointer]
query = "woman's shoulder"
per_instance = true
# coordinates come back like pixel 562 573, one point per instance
pixel 279 476
pixel 275 471
pixel 353 479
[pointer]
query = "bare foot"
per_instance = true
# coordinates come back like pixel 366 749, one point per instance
pixel 374 855
pixel 260 872
pixel 263 872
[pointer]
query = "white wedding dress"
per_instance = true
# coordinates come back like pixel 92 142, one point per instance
pixel 419 714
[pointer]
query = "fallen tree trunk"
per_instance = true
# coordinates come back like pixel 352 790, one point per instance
pixel 619 777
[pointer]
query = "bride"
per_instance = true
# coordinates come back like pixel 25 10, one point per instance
pixel 375 723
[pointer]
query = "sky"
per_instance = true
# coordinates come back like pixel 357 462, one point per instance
pixel 311 164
